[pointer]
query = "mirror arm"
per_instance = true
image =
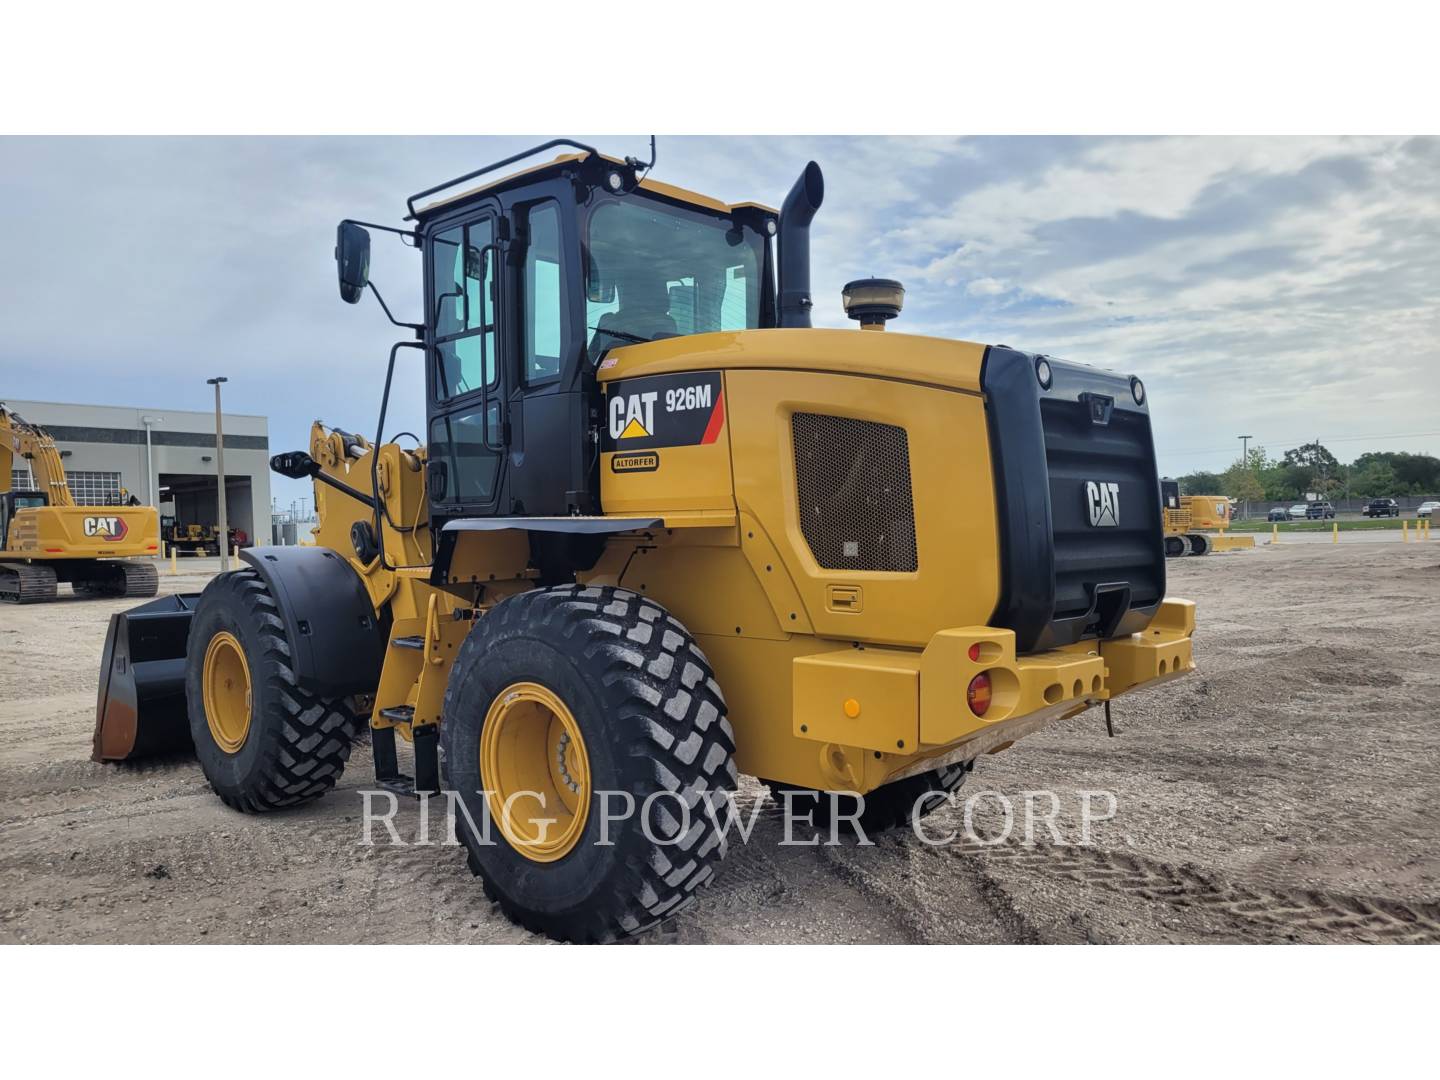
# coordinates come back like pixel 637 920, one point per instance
pixel 411 233
pixel 419 330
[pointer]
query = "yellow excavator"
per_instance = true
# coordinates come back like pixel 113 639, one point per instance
pixel 1196 524
pixel 662 531
pixel 46 539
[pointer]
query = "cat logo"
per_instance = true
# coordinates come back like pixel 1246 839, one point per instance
pixel 1103 499
pixel 632 416
pixel 109 529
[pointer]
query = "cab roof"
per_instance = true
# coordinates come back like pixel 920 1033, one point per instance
pixel 558 164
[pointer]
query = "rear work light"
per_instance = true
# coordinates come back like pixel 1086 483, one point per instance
pixel 977 694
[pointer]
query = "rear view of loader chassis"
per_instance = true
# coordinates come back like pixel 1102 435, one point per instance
pixel 843 562
pixel 595 702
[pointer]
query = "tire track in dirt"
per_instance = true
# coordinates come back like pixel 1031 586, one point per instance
pixel 426 892
pixel 1262 910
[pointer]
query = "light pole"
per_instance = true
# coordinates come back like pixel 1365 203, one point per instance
pixel 220 477
pixel 149 460
pixel 1245 464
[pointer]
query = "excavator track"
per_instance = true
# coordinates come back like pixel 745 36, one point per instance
pixel 127 577
pixel 141 578
pixel 26 583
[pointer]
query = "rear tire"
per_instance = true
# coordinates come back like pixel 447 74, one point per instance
pixel 645 709
pixel 294 745
pixel 889 806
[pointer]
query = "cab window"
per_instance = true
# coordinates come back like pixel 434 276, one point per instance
pixel 462 308
pixel 544 295
pixel 656 271
pixel 465 442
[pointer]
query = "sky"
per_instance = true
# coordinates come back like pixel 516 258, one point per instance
pixel 1284 288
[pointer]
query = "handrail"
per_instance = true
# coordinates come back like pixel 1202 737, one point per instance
pixel 410 202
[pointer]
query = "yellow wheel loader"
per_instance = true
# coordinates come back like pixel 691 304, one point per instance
pixel 662 531
pixel 46 539
pixel 1186 518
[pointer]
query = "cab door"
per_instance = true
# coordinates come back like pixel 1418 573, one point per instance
pixel 466 375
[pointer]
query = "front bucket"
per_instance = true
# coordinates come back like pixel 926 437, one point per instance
pixel 141 708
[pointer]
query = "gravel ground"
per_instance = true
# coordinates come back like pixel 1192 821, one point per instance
pixel 1284 793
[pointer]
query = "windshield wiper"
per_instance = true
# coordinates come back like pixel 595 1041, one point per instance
pixel 623 336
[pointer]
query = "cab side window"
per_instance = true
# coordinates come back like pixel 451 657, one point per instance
pixel 462 306
pixel 544 299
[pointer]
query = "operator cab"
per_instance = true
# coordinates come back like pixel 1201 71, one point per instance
pixel 529 281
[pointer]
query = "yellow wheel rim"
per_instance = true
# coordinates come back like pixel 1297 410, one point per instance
pixel 536 771
pixel 226 686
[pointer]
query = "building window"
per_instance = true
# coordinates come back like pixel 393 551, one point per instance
pixel 94 488
pixel 20 480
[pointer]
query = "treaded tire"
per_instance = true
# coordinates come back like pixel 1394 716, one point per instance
pixel 653 722
pixel 887 807
pixel 297 744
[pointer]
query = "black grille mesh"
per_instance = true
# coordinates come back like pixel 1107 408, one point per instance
pixel 853 482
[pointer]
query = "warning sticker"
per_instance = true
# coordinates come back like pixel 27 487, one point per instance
pixel 664 410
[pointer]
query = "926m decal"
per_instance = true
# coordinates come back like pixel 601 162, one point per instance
pixel 664 410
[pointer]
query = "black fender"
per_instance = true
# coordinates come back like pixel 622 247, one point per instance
pixel 337 638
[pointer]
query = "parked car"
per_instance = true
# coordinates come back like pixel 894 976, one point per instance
pixel 1319 510
pixel 1427 508
pixel 1297 512
pixel 1279 514
pixel 1378 508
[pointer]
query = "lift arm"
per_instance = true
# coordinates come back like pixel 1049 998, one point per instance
pixel 36 446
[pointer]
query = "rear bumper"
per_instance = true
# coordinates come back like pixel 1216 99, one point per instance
pixel 906 703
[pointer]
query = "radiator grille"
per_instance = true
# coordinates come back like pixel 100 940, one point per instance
pixel 853 483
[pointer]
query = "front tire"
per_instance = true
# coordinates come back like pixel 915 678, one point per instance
pixel 263 742
pixel 602 695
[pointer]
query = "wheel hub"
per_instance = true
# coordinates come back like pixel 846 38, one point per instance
pixel 227 693
pixel 536 771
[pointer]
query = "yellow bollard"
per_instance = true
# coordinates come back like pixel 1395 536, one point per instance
pixel 174 566
pixel 1405 531
pixel 1335 533
pixel 1274 534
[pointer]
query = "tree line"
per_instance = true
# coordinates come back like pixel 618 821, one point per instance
pixel 1313 469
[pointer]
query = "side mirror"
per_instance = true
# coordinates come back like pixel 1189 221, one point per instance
pixel 352 260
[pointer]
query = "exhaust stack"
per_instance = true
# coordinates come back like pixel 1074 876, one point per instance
pixel 796 214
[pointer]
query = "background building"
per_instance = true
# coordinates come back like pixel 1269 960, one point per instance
pixel 104 450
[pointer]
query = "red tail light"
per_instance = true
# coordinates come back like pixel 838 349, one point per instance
pixel 978 694
pixel 975 652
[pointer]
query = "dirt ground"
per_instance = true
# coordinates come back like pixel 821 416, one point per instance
pixel 1285 793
